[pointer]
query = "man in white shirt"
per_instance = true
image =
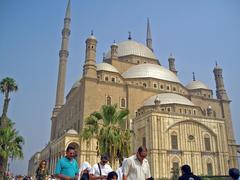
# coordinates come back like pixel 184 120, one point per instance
pixel 136 167
pixel 84 171
pixel 100 170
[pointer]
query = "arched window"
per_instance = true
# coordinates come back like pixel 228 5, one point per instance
pixel 144 141
pixel 144 84
pixel 174 140
pixel 109 100
pixel 123 103
pixel 175 166
pixel 207 143
pixel 209 169
pixel 194 112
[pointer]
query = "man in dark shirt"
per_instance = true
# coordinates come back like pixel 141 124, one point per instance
pixel 187 174
pixel 234 173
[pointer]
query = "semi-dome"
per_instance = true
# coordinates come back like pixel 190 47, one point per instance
pixel 196 85
pixel 151 71
pixel 76 84
pixel 72 131
pixel 168 98
pixel 131 47
pixel 106 67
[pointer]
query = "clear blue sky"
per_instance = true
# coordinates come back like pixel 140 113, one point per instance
pixel 198 33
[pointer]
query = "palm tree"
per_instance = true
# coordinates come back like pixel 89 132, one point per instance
pixel 7 85
pixel 107 127
pixel 10 145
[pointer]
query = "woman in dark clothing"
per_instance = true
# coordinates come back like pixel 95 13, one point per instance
pixel 42 172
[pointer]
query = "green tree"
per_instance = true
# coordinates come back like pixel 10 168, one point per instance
pixel 10 145
pixel 107 127
pixel 7 85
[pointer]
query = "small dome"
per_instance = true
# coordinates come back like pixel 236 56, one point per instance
pixel 168 98
pixel 72 131
pixel 76 84
pixel 196 85
pixel 131 47
pixel 152 71
pixel 106 67
pixel 92 37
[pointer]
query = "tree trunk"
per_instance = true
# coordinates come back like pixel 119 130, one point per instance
pixel 3 167
pixel 3 122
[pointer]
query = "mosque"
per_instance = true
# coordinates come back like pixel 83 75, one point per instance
pixel 178 124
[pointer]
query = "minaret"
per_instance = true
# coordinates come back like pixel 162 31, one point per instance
pixel 226 114
pixel 149 37
pixel 114 51
pixel 220 90
pixel 89 68
pixel 63 55
pixel 171 62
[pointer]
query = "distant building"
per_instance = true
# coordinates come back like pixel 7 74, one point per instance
pixel 178 124
pixel 33 164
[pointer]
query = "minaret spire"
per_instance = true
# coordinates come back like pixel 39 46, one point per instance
pixel 149 37
pixel 63 55
pixel 68 11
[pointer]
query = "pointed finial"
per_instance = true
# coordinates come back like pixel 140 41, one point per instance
pixel 194 76
pixel 114 43
pixel 129 35
pixel 157 101
pixel 91 32
pixel 104 56
pixel 67 15
pixel 171 56
pixel 149 36
pixel 148 29
pixel 217 66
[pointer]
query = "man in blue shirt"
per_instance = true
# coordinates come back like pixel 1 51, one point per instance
pixel 67 167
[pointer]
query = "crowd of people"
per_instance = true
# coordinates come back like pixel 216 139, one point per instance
pixel 135 167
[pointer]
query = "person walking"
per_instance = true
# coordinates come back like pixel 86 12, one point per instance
pixel 42 171
pixel 136 166
pixel 67 167
pixel 187 173
pixel 100 170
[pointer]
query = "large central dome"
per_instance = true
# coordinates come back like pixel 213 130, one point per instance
pixel 131 47
pixel 150 71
